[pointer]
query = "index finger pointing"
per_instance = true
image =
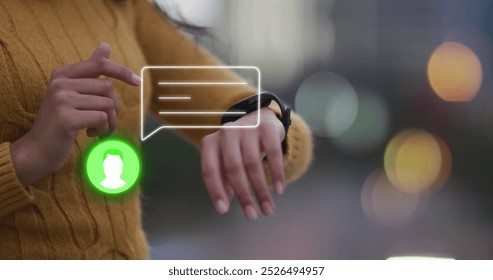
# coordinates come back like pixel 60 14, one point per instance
pixel 95 67
pixel 99 64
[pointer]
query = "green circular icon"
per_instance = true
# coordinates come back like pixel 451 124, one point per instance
pixel 112 166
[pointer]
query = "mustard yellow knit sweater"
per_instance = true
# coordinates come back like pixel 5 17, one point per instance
pixel 58 217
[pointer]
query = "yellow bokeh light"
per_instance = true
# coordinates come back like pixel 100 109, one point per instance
pixel 416 161
pixel 455 72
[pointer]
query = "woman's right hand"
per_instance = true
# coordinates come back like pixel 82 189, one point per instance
pixel 76 98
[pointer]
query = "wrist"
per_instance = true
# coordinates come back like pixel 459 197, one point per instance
pixel 24 160
pixel 262 100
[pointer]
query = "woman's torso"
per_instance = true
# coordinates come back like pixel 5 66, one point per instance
pixel 66 220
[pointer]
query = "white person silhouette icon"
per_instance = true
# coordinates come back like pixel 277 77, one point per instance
pixel 113 168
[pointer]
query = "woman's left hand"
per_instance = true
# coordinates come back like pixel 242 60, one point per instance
pixel 232 164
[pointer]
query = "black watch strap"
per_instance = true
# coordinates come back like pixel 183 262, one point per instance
pixel 250 104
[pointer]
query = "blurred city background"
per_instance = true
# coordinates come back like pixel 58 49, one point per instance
pixel 398 94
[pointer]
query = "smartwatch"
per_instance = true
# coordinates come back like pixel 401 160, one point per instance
pixel 250 104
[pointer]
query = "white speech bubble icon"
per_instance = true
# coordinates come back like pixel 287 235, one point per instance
pixel 180 96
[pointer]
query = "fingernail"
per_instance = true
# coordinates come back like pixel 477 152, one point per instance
pixel 137 79
pixel 250 213
pixel 221 207
pixel 267 208
pixel 279 187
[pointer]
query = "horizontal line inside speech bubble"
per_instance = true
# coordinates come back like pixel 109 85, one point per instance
pixel 175 98
pixel 202 83
pixel 201 113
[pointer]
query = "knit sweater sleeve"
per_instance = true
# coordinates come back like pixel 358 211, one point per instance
pixel 12 194
pixel 164 44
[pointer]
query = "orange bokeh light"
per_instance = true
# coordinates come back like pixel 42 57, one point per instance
pixel 455 72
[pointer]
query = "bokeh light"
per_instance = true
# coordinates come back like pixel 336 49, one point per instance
pixel 328 103
pixel 455 72
pixel 417 161
pixel 385 205
pixel 370 128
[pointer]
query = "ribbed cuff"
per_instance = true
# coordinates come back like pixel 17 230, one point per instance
pixel 12 194
pixel 299 150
